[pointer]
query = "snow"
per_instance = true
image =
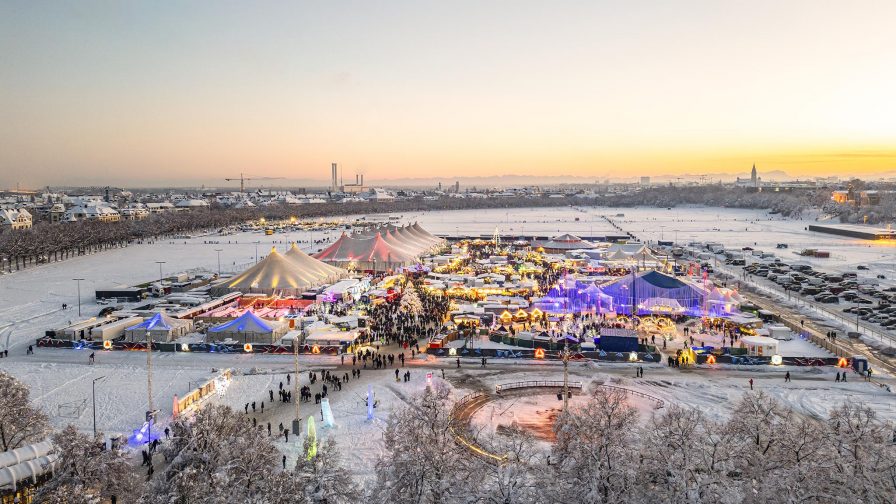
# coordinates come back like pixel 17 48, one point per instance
pixel 30 301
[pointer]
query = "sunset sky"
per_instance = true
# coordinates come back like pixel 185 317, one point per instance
pixel 146 93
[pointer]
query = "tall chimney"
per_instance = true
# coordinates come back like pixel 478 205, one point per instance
pixel 333 182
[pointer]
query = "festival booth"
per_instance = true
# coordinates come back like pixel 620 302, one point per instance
pixel 759 345
pixel 159 327
pixel 248 328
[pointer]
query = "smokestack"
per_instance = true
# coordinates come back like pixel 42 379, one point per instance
pixel 333 176
pixel 362 179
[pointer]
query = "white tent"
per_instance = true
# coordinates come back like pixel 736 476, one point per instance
pixel 279 274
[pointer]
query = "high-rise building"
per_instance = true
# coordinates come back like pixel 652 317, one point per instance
pixel 753 179
pixel 334 184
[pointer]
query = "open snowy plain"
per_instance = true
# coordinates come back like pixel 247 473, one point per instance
pixel 61 380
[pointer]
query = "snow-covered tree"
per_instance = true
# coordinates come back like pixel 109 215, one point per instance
pixel 519 478
pixel 595 455
pixel 20 422
pixel 422 463
pixel 675 468
pixel 216 456
pixel 410 301
pixel 865 454
pixel 87 472
pixel 323 478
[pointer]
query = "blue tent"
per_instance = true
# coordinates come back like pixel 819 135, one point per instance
pixel 655 292
pixel 157 322
pixel 159 326
pixel 248 327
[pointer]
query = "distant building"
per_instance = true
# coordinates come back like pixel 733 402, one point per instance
pixel 868 198
pixel 645 181
pixel 840 196
pixel 94 211
pixel 191 204
pixel 135 212
pixel 754 181
pixel 16 219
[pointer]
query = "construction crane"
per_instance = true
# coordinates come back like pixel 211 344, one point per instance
pixel 243 180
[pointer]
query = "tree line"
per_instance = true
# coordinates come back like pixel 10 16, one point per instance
pixel 603 452
pixel 47 242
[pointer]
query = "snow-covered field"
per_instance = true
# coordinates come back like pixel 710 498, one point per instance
pixel 31 300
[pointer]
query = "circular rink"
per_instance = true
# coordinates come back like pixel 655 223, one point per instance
pixel 532 407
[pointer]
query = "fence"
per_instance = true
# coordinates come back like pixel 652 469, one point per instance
pixel 532 384
pixel 659 402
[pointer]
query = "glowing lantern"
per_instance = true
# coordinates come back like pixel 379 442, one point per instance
pixel 107 344
pixel 452 351
pixel 711 359
pixel 633 357
pixel 539 353
pixel 315 349
pixel 247 347
pixel 184 347
pixel 842 362
pixel 777 360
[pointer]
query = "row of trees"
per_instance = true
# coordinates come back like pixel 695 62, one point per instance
pixel 603 453
pixel 53 242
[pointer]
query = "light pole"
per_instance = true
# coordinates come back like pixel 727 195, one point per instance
pixel 297 423
pixel 160 263
pixel 94 403
pixel 565 373
pixel 219 260
pixel 79 294
pixel 256 251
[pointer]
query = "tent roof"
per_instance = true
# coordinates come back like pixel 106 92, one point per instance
pixel 661 280
pixel 159 321
pixel 248 322
pixel 277 271
pixel 348 249
pixel 312 265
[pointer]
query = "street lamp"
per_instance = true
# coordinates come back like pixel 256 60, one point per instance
pixel 219 260
pixel 79 294
pixel 160 263
pixel 565 373
pixel 297 423
pixel 94 403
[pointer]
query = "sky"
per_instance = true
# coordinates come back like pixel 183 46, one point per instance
pixel 148 93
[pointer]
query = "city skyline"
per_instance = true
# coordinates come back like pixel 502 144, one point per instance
pixel 150 94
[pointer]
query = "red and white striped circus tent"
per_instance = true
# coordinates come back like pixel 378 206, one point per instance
pixel 385 248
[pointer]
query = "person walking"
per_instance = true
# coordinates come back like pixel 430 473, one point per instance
pixel 458 363
pixel 751 384
pixel 787 377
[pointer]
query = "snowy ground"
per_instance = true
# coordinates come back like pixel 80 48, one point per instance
pixel 30 300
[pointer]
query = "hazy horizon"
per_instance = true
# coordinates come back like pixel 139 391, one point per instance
pixel 143 94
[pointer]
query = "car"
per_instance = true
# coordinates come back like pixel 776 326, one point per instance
pixel 862 267
pixel 881 277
